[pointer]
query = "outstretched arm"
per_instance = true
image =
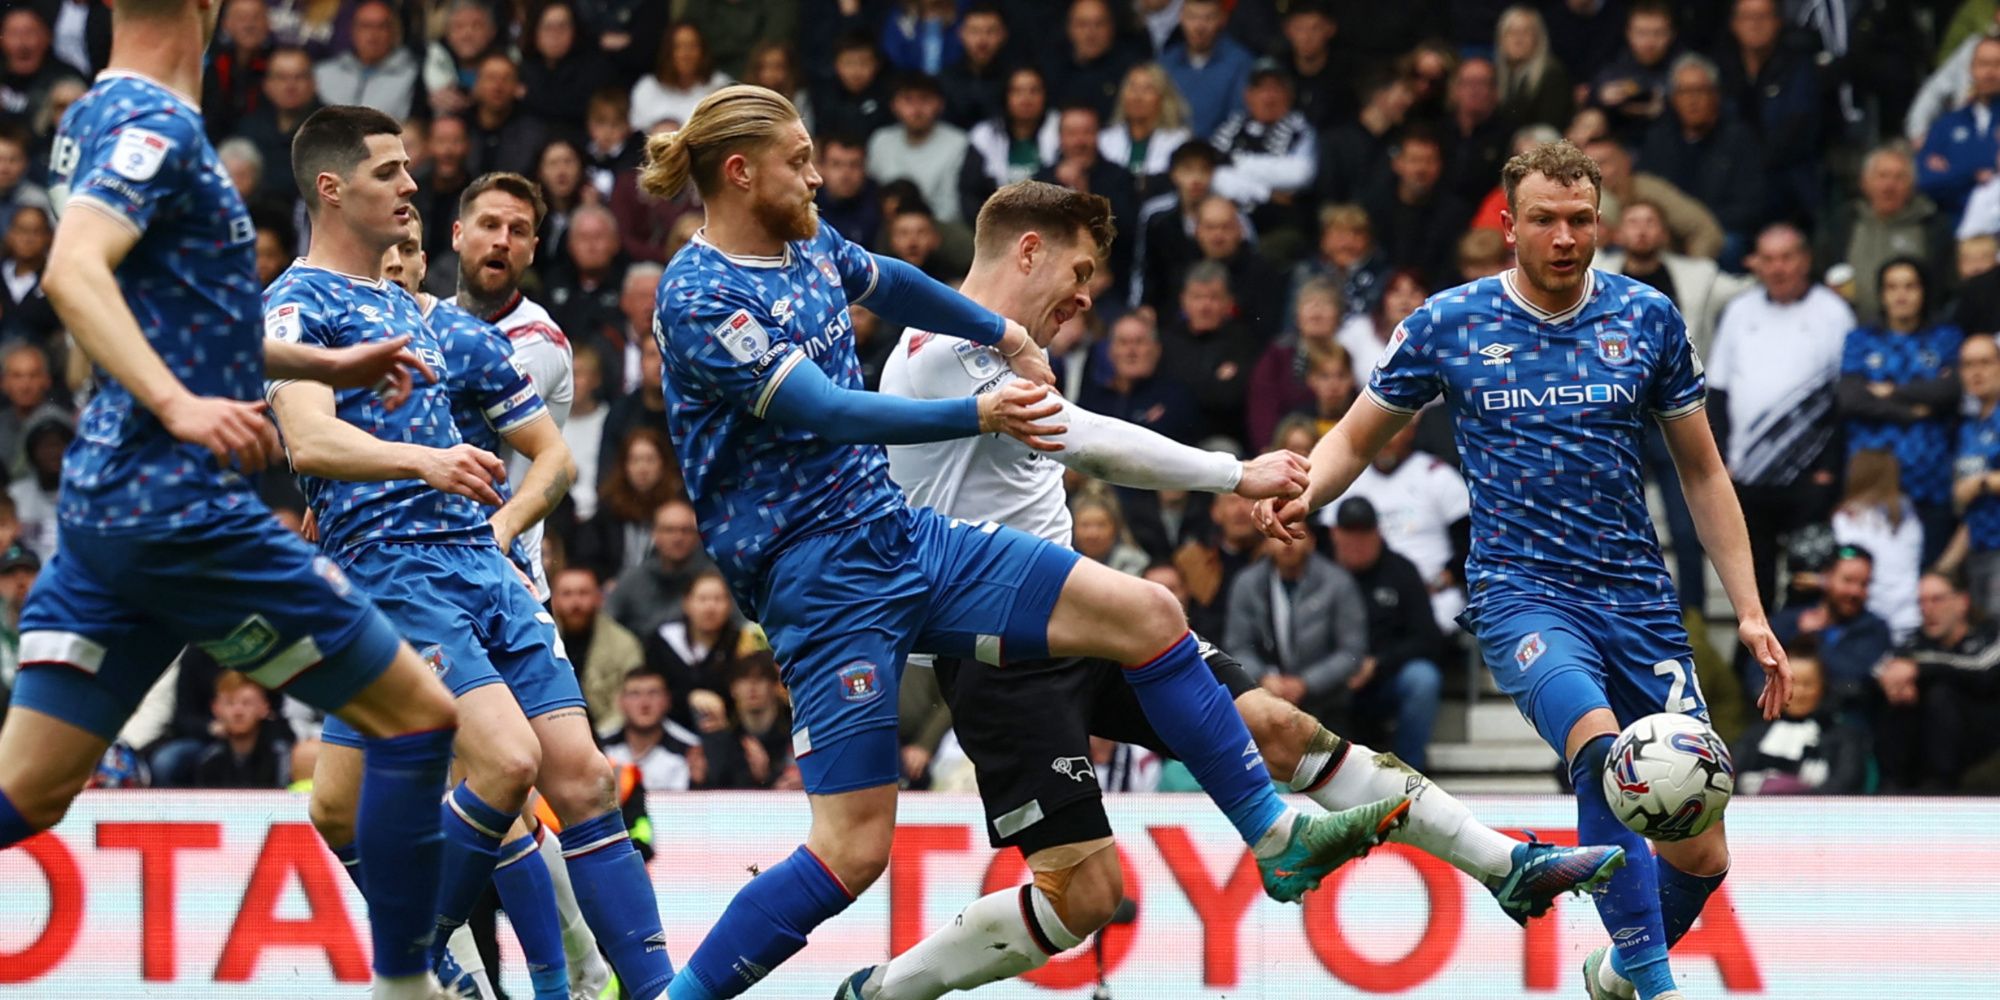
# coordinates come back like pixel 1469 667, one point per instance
pixel 1718 521
pixel 324 445
pixel 1126 454
pixel 906 296
pixel 1337 460
pixel 551 471
pixel 802 396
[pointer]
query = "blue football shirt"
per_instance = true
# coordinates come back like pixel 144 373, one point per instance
pixel 1923 448
pixel 321 307
pixel 1551 409
pixel 135 150
pixel 730 329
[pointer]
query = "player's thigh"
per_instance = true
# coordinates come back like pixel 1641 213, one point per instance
pixel 842 612
pixel 336 791
pixel 88 654
pixel 497 745
pixel 1706 853
pixel 407 698
pixel 260 601
pixel 521 642
pixel 994 590
pixel 1026 729
pixel 1111 615
pixel 1547 662
pixel 1652 665
pixel 575 778
pixel 44 762
pixel 852 832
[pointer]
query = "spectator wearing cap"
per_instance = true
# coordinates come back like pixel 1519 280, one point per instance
pixel 504 135
pixel 1151 123
pixel 1959 150
pixel 44 437
pixel 1080 167
pixel 920 147
pixel 1208 66
pixel 1771 382
pixel 1399 679
pixel 1207 348
pixel 1852 639
pixel 1942 690
pixel 1323 87
pixel 1298 623
pixel 1419 221
pixel 1354 157
pixel 1808 750
pixel 683 73
pixel 1709 155
pixel 1889 221
pixel 975 87
pixel 1270 151
pixel 233 85
pixel 1013 146
pixel 1090 68
pixel 374 70
pixel 1424 514
pixel 1136 391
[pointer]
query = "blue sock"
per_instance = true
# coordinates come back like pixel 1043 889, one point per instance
pixel 765 924
pixel 1192 712
pixel 349 856
pixel 13 827
pixel 1630 906
pixel 529 898
pixel 397 831
pixel 616 897
pixel 1681 898
pixel 472 832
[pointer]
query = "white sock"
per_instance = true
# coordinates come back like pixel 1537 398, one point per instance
pixel 987 942
pixel 1611 982
pixel 465 951
pixel 1439 825
pixel 587 971
pixel 1273 842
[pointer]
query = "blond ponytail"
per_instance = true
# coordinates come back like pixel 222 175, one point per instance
pixel 732 120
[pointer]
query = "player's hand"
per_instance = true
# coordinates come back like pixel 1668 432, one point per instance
pixel 237 433
pixel 309 527
pixel 1283 520
pixel 916 760
pixel 1016 411
pixel 1025 356
pixel 1764 647
pixel 1280 474
pixel 387 366
pixel 466 471
pixel 1361 676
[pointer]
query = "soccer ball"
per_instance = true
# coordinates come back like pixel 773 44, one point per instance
pixel 1669 777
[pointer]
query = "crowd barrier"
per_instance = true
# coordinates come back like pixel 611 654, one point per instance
pixel 230 894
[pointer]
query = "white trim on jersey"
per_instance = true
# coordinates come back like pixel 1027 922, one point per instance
pixel 1508 279
pixel 742 259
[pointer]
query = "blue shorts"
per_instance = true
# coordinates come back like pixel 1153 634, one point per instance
pixel 1559 661
pixel 471 618
pixel 111 611
pixel 843 611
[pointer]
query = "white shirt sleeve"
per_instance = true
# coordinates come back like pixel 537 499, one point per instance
pixel 1447 490
pixel 1125 454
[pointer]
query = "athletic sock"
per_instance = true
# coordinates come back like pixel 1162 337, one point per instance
pixel 1198 721
pixel 997 937
pixel 472 832
pixel 529 899
pixel 1439 825
pixel 1682 897
pixel 586 966
pixel 14 827
pixel 465 951
pixel 398 836
pixel 349 856
pixel 616 896
pixel 1630 905
pixel 763 926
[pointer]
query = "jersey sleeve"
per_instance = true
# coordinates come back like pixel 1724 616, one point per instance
pixel 719 342
pixel 1406 375
pixel 294 315
pixel 135 168
pixel 859 273
pixel 549 366
pixel 1678 387
pixel 1854 352
pixel 503 391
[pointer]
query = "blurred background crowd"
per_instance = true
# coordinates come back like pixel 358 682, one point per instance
pixel 1813 182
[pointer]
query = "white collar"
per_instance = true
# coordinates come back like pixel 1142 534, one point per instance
pixel 745 260
pixel 1507 279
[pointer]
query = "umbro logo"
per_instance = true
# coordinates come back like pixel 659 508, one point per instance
pixel 781 310
pixel 1496 354
pixel 1250 751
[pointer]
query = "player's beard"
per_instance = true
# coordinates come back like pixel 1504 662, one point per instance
pixel 489 285
pixel 785 222
pixel 1548 279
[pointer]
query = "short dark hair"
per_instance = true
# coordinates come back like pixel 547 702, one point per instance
pixel 1559 161
pixel 334 140
pixel 842 138
pixel 505 183
pixel 853 41
pixel 1052 210
pixel 640 673
pixel 1192 151
pixel 986 8
pixel 918 82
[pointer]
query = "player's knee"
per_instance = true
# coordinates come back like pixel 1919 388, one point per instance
pixel 333 820
pixel 1157 615
pixel 1086 897
pixel 42 808
pixel 504 774
pixel 582 791
pixel 857 861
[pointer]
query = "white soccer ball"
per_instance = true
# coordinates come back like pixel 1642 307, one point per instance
pixel 1669 777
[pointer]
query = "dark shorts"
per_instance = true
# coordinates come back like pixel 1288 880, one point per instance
pixel 1027 726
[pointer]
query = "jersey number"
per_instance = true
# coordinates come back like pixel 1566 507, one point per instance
pixel 1677 701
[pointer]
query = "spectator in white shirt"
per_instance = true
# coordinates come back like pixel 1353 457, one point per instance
pixel 682 75
pixel 1875 515
pixel 1424 512
pixel 669 757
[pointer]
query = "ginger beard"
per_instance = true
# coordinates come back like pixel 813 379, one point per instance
pixel 786 219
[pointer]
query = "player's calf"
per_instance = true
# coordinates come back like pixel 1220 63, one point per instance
pixel 44 763
pixel 1284 734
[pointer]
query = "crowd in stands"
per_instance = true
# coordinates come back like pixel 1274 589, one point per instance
pixel 1815 183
